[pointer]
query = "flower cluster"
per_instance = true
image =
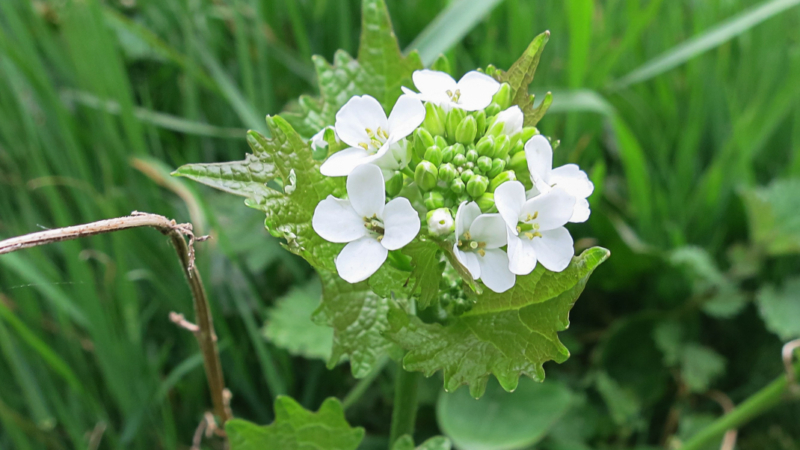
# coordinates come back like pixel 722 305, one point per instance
pixel 458 155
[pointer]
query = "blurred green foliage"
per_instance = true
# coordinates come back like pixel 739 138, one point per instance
pixel 98 100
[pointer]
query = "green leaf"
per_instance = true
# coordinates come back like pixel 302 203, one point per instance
pixel 772 212
pixel 501 420
pixel 700 365
pixel 285 158
pixel 406 442
pixel 359 320
pixel 379 71
pixel 295 428
pixel 780 308
pixel 520 76
pixel 505 334
pixel 290 327
pixel 427 269
pixel 623 404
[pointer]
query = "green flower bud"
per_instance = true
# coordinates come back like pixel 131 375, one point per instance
pixel 485 164
pixel 439 141
pixel 517 147
pixel 480 120
pixel 434 155
pixel 422 140
pixel 472 155
pixel 434 119
pixel 426 175
pixel 501 178
pixel 495 128
pixel 447 172
pixel 527 134
pixel 457 186
pixel 497 166
pixel 503 96
pixel 492 109
pixel 448 153
pixel 485 146
pixel 518 162
pixel 467 175
pixel 440 222
pixel 459 160
pixel 466 131
pixel 433 200
pixel 394 185
pixel 477 185
pixel 459 149
pixel 501 146
pixel 454 118
pixel 485 202
pixel 469 165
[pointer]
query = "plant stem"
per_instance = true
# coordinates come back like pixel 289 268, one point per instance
pixel 204 331
pixel 363 384
pixel 765 399
pixel 404 414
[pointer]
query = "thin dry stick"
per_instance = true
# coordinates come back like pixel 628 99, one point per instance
pixel 729 441
pixel 177 233
pixel 786 353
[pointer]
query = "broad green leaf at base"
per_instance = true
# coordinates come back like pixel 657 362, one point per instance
pixel 406 442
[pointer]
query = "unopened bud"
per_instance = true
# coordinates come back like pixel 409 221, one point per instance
pixel 503 96
pixel 495 128
pixel 518 162
pixel 467 175
pixel 485 202
pixel 477 185
pixel 466 131
pixel 480 120
pixel 426 175
pixel 440 141
pixel 485 146
pixel 492 109
pixel 457 186
pixel 459 160
pixel 422 140
pixel 497 166
pixel 472 155
pixel 448 153
pixel 440 222
pixel 527 134
pixel 459 149
pixel 447 172
pixel 501 146
pixel 434 155
pixel 454 118
pixel 433 200
pixel 484 164
pixel 518 146
pixel 501 178
pixel 394 184
pixel 434 119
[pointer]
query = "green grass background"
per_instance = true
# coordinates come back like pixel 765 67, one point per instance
pixel 100 100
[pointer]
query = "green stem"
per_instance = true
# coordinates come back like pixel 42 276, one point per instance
pixel 404 414
pixel 757 404
pixel 363 384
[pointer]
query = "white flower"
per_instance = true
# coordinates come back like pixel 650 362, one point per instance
pixel 536 227
pixel 473 92
pixel 512 120
pixel 478 241
pixel 370 227
pixel 440 222
pixel 568 177
pixel 318 140
pixel 362 124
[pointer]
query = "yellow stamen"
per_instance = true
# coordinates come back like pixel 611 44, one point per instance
pixel 482 252
pixel 364 145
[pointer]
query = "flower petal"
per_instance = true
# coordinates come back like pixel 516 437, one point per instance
pixel 512 120
pixel 539 155
pixel 407 114
pixel 477 90
pixel 554 249
pixel 358 114
pixel 552 209
pixel 494 270
pixel 341 163
pixel 401 223
pixel 335 221
pixel 360 259
pixel 521 255
pixel 469 260
pixel 433 84
pixel 466 214
pixel 509 198
pixel 396 156
pixel 489 228
pixel 581 211
pixel 573 180
pixel 366 190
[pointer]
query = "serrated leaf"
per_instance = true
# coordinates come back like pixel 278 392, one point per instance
pixel 285 157
pixel 772 213
pixel 290 327
pixel 427 269
pixel 504 334
pixel 295 428
pixel 780 308
pixel 406 442
pixel 700 366
pixel 359 320
pixel 623 404
pixel 520 75
pixel 379 71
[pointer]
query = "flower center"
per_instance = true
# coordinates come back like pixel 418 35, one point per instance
pixel 375 225
pixel 376 139
pixel 467 244
pixel 454 96
pixel 528 228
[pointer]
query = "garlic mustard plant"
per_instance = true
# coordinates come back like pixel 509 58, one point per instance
pixel 472 92
pixel 478 241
